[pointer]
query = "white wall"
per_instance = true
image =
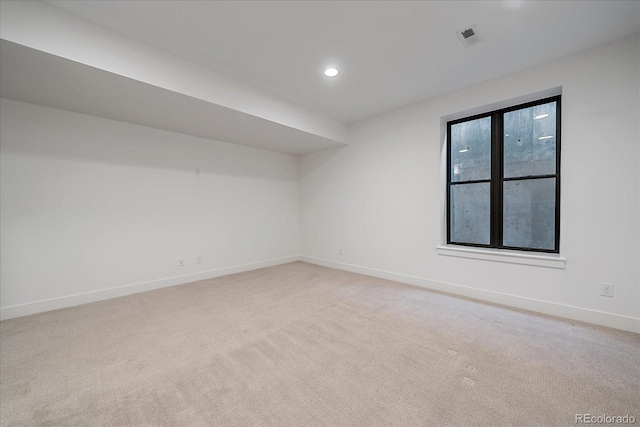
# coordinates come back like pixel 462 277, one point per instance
pixel 379 198
pixel 89 206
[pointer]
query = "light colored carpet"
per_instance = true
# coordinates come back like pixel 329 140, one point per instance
pixel 302 345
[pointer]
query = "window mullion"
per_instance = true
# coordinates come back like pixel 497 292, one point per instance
pixel 496 179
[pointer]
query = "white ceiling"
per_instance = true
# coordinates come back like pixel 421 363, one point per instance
pixel 390 54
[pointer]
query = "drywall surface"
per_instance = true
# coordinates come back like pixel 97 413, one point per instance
pixel 380 199
pixel 45 28
pixel 93 208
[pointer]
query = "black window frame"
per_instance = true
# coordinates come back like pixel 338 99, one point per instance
pixel 497 179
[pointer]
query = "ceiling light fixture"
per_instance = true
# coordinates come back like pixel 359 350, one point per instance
pixel 464 150
pixel 540 116
pixel 545 137
pixel 331 72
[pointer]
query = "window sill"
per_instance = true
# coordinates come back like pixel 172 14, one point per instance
pixel 499 255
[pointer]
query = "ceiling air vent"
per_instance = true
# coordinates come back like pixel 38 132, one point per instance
pixel 469 36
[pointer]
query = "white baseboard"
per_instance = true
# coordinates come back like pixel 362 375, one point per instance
pixel 610 320
pixel 20 310
pixel 616 321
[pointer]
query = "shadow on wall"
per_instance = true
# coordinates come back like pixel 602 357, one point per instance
pixel 36 131
pixel 314 161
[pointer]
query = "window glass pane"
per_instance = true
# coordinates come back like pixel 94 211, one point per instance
pixel 471 150
pixel 529 213
pixel 530 141
pixel 470 210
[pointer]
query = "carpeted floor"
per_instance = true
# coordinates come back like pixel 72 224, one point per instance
pixel 303 345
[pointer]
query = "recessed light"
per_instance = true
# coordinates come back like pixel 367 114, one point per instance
pixel 331 72
pixel 540 116
pixel 464 150
pixel 545 137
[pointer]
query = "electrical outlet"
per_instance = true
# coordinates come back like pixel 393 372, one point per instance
pixel 340 251
pixel 180 262
pixel 197 173
pixel 199 259
pixel 606 290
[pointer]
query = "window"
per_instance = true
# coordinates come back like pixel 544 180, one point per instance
pixel 503 186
